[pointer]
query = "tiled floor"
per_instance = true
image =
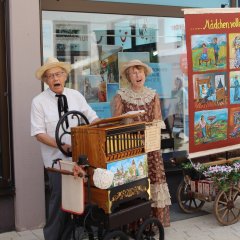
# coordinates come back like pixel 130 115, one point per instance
pixel 25 235
pixel 198 228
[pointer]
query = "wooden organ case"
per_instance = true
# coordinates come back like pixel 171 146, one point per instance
pixel 113 145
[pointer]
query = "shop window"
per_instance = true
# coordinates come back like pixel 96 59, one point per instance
pixel 98 44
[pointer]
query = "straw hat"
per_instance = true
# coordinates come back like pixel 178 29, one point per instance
pixel 132 63
pixel 52 62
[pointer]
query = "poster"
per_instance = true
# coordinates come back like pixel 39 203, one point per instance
pixel 146 30
pixel 103 110
pixel 128 169
pixel 213 53
pixel 109 63
pixel 157 80
pixel 70 39
pixel 101 36
pixel 47 39
pixel 123 34
pixel 111 91
pixel 94 89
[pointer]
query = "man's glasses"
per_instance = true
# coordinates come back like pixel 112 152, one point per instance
pixel 53 75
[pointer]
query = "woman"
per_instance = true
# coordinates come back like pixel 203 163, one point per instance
pixel 137 97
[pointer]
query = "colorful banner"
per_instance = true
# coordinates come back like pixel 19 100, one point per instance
pixel 213 54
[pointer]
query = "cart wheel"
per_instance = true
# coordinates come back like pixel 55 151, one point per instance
pixel 62 130
pixel 227 206
pixel 150 229
pixel 80 233
pixel 117 234
pixel 186 200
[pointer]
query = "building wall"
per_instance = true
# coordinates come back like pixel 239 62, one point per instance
pixel 28 167
pixel 7 213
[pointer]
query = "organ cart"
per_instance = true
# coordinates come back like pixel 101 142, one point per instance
pixel 215 181
pixel 116 194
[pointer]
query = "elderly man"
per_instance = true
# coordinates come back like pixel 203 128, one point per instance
pixel 47 108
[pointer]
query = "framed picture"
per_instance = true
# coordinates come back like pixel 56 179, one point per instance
pixel 70 38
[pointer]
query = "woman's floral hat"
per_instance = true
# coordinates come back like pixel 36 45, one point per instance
pixel 133 63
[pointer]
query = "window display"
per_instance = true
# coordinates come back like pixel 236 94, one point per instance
pixel 98 44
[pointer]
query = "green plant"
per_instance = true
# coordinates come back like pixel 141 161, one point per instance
pixel 194 171
pixel 224 176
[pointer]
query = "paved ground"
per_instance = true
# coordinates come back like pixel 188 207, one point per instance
pixel 198 228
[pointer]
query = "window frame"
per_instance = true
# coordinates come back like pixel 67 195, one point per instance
pixel 111 8
pixel 6 179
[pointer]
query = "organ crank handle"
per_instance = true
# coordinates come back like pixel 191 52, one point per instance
pixel 63 129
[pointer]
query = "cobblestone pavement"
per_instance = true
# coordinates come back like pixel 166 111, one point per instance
pixel 198 228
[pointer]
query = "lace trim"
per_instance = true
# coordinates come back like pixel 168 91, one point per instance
pixel 160 195
pixel 141 98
